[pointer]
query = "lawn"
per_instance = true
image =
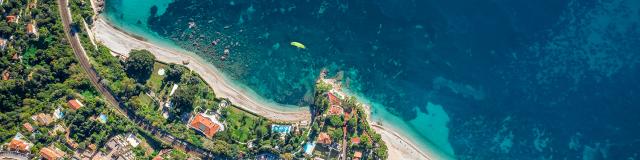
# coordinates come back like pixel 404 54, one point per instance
pixel 155 81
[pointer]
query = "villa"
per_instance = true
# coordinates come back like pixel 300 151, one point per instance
pixel 51 153
pixel 206 125
pixel 75 104
pixel 28 126
pixel 355 140
pixel 334 102
pixel 12 19
pixel 357 155
pixel 32 29
pixel 42 119
pixel 324 138
pixel 17 144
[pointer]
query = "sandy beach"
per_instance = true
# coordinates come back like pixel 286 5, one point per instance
pixel 121 43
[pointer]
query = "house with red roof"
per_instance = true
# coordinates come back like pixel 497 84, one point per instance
pixel 12 19
pixel 334 105
pixel 355 140
pixel 324 138
pixel 32 29
pixel 75 104
pixel 17 144
pixel 205 125
pixel 28 127
pixel 357 155
pixel 50 153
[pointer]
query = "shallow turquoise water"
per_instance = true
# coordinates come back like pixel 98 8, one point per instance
pixel 475 79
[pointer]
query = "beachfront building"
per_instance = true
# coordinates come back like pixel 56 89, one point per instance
pixel 51 153
pixel 75 104
pixel 208 125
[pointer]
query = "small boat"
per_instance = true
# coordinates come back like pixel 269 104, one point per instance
pixel 299 45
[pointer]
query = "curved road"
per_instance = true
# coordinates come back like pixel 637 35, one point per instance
pixel 81 55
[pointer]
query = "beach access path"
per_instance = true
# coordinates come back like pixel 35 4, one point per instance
pixel 121 43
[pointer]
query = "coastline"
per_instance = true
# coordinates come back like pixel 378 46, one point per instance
pixel 121 42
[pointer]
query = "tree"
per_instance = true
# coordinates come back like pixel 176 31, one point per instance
pixel 335 120
pixel 139 65
pixel 183 100
pixel 174 72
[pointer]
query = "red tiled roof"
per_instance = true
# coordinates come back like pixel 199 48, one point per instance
pixel 335 110
pixel 19 145
pixel 28 127
pixel 31 28
pixel 5 75
pixel 75 104
pixel 11 19
pixel 333 100
pixel 204 125
pixel 355 140
pixel 357 155
pixel 324 138
pixel 49 154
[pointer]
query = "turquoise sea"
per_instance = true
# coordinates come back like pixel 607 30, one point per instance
pixel 474 79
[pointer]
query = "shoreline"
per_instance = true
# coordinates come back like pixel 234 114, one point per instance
pixel 398 145
pixel 121 42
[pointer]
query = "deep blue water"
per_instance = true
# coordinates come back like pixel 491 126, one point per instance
pixel 546 79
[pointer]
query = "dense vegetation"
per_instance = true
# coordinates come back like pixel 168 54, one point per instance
pixel 40 74
pixel 355 123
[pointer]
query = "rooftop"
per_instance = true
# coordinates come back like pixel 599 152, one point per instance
pixel 357 155
pixel 28 127
pixel 19 145
pixel 75 104
pixel 355 140
pixel 51 153
pixel 205 125
pixel 324 138
pixel 42 119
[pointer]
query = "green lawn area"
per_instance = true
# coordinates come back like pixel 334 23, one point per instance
pixel 145 99
pixel 155 81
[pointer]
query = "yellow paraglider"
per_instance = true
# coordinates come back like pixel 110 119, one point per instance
pixel 299 45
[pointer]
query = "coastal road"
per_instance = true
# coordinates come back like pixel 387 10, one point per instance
pixel 81 55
